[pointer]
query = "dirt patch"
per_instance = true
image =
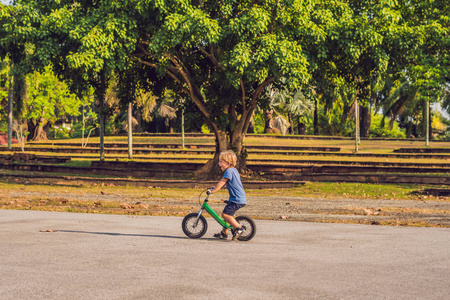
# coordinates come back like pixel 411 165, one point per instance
pixel 429 211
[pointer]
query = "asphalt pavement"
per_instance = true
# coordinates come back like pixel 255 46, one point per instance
pixel 45 255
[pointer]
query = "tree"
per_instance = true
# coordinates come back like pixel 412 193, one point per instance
pixel 429 65
pixel 4 86
pixel 47 100
pixel 355 57
pixel 419 72
pixel 85 42
pixel 223 55
pixel 284 102
pixel 445 102
pixel 13 47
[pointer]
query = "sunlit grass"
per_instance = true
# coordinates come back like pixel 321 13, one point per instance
pixel 269 157
pixel 323 190
pixel 347 145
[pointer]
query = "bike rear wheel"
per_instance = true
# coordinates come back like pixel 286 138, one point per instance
pixel 192 228
pixel 250 228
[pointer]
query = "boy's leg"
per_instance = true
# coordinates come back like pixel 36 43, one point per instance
pixel 228 213
pixel 223 235
pixel 225 230
pixel 228 216
pixel 238 228
pixel 231 220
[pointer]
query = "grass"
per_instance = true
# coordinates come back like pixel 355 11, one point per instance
pixel 275 157
pixel 347 146
pixel 84 163
pixel 379 146
pixel 57 174
pixel 327 190
pixel 316 190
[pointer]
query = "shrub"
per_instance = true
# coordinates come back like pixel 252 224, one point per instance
pixel 376 130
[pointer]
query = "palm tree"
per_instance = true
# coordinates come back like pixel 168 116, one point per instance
pixel 168 113
pixel 287 105
pixel 401 101
pixel 445 100
pixel 149 108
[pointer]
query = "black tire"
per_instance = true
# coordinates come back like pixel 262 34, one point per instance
pixel 190 229
pixel 250 228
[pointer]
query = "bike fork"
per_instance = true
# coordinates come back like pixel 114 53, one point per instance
pixel 198 217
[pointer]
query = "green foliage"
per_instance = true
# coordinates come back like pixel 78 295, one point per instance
pixel 440 125
pixel 331 123
pixel 223 54
pixel 49 98
pixel 445 99
pixel 286 101
pixel 59 133
pixel 205 129
pixel 258 122
pixel 77 128
pixel 379 128
pixel 4 85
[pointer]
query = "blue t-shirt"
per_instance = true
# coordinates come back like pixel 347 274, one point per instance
pixel 234 186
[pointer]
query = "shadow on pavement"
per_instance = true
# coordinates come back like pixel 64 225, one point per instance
pixel 129 234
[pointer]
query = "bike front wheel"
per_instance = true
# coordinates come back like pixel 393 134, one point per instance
pixel 250 228
pixel 194 228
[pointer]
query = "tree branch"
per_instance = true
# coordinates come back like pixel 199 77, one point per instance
pixel 147 63
pixel 258 92
pixel 232 113
pixel 143 50
pixel 210 56
pixel 244 106
pixel 194 91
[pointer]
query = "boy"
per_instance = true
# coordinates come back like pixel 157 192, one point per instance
pixel 231 178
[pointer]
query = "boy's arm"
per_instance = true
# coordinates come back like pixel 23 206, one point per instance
pixel 220 185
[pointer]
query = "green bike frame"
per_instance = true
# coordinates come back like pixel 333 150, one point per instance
pixel 213 214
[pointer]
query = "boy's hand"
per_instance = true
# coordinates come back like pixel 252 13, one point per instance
pixel 208 191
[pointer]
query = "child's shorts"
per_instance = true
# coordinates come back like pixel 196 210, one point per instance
pixel 232 208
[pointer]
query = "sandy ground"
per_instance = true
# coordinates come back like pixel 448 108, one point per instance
pixel 428 211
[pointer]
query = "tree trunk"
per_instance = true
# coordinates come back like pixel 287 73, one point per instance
pixel 170 127
pixel 237 145
pixel 349 111
pixel 234 140
pixel 268 125
pixel 251 125
pixel 138 117
pixel 211 169
pixel 10 110
pixel 301 128
pixel 100 91
pixel 40 133
pixel 365 120
pixel 101 121
pixel 316 118
pixel 38 130
pixel 291 122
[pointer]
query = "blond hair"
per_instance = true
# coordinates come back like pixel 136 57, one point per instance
pixel 229 157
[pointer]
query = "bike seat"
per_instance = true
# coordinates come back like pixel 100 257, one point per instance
pixel 226 201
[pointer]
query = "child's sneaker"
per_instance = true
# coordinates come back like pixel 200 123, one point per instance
pixel 220 235
pixel 238 232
